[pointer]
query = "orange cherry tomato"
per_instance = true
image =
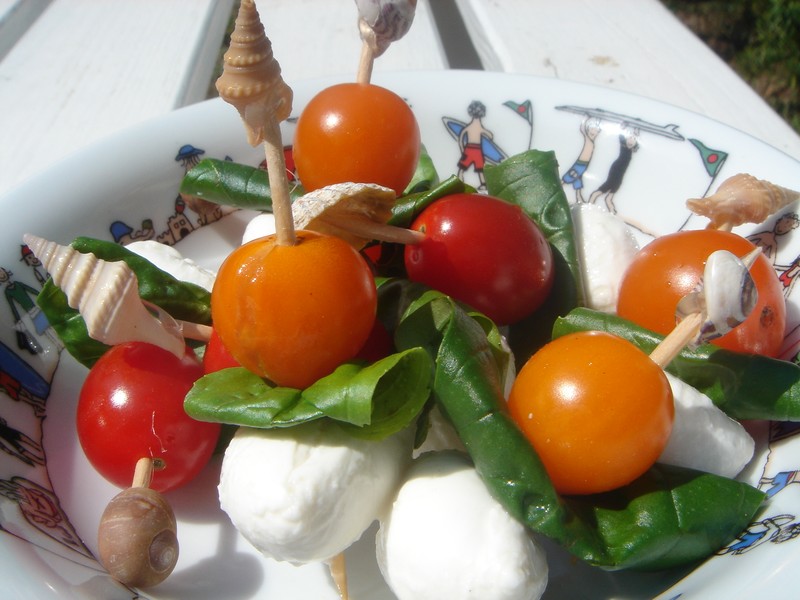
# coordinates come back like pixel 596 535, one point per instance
pixel 356 132
pixel 670 267
pixel 596 409
pixel 294 313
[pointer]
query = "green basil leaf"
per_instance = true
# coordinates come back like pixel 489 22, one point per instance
pixel 668 517
pixel 232 184
pixel 531 181
pixel 182 300
pixel 745 386
pixel 372 401
pixel 425 176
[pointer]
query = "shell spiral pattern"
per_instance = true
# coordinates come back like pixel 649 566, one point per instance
pixel 251 77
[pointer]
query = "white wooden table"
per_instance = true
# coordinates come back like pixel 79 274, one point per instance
pixel 74 71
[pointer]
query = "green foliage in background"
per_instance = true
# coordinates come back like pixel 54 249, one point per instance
pixel 760 39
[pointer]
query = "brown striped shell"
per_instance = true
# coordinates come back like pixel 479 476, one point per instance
pixel 251 77
pixel 382 22
pixel 741 199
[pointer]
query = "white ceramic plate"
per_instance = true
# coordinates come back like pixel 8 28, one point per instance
pixel 126 187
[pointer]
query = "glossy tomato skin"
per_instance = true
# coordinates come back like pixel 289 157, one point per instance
pixel 294 313
pixel 596 409
pixel 670 267
pixel 217 357
pixel 484 252
pixel 356 132
pixel 131 406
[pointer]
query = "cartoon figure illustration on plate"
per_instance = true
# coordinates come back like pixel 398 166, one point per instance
pixel 29 258
pixel 19 445
pixel 776 529
pixel 124 234
pixel 628 144
pixel 769 241
pixel 30 323
pixel 207 212
pixel 524 110
pixel 475 142
pixel 178 225
pixel 41 514
pixel 590 128
pixel 777 477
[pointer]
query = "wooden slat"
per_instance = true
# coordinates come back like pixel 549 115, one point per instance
pixel 593 42
pixel 87 68
pixel 16 16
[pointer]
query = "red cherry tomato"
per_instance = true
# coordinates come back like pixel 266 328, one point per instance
pixel 484 252
pixel 217 356
pixel 670 267
pixel 131 406
pixel 379 344
pixel 356 132
pixel 596 409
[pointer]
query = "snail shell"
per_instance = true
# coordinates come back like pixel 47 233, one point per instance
pixel 742 199
pixel 107 295
pixel 137 538
pixel 382 22
pixel 251 77
pixel 726 295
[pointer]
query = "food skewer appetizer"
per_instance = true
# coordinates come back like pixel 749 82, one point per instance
pixel 390 465
pixel 137 538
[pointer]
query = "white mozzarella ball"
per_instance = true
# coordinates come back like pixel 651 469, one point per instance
pixel 259 226
pixel 173 262
pixel 703 437
pixel 605 248
pixel 306 493
pixel 446 537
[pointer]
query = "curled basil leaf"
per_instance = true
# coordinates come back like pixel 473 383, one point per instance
pixel 668 517
pixel 232 184
pixel 371 401
pixel 182 300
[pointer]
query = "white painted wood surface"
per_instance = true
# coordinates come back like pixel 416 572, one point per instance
pixel 87 68
pixel 73 71
pixel 635 46
pixel 312 38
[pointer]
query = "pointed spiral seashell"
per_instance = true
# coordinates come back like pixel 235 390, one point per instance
pixel 251 77
pixel 741 199
pixel 382 22
pixel 106 294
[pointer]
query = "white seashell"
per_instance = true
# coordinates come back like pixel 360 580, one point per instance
pixel 382 22
pixel 107 296
pixel 337 209
pixel 742 199
pixel 726 295
pixel 251 77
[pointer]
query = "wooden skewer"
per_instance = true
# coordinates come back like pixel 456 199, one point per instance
pixel 678 338
pixel 367 228
pixel 279 185
pixel 338 570
pixel 367 58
